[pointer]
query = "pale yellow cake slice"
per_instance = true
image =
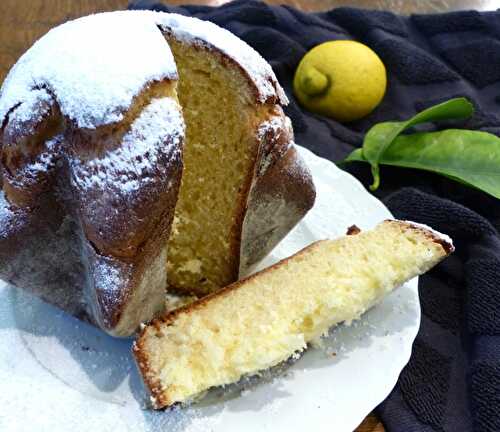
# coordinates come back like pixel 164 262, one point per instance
pixel 261 321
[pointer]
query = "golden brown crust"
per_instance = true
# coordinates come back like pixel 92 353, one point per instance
pixel 22 140
pixel 88 246
pixel 282 191
pixel 121 224
pixel 158 397
pixel 125 232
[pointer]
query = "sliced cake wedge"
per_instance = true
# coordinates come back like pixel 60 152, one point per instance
pixel 261 321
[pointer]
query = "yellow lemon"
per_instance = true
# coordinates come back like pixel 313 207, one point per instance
pixel 341 79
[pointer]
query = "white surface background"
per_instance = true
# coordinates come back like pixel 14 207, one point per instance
pixel 61 375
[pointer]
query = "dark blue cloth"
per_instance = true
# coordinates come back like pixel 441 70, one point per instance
pixel 452 382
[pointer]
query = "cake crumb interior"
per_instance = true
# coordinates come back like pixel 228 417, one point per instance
pixel 219 154
pixel 276 313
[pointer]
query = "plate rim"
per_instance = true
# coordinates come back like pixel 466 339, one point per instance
pixel 406 355
pixel 366 405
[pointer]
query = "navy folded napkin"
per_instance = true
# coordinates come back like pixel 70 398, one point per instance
pixel 452 382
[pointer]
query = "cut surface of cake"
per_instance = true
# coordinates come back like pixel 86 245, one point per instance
pixel 261 321
pixel 235 132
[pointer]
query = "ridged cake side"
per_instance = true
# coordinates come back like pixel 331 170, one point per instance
pixel 91 145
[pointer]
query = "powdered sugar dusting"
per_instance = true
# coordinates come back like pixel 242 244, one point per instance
pixel 274 127
pixel 42 165
pixel 134 163
pixel 111 277
pixel 38 101
pixel 274 124
pixel 195 31
pixel 7 217
pixel 94 66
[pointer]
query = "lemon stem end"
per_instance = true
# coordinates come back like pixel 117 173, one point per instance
pixel 314 82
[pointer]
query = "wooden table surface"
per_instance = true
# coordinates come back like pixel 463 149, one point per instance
pixel 24 21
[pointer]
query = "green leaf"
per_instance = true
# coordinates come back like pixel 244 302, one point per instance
pixel 355 156
pixel 470 157
pixel 381 136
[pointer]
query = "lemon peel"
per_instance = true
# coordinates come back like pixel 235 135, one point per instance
pixel 342 79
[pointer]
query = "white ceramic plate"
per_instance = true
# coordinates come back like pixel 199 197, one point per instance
pixel 58 374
